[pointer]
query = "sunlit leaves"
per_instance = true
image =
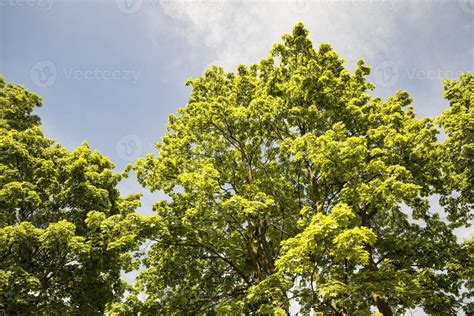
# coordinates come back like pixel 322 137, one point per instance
pixel 287 181
pixel 65 232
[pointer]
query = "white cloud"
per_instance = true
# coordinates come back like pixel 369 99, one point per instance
pixel 243 32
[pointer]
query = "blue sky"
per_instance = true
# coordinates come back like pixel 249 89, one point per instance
pixel 111 71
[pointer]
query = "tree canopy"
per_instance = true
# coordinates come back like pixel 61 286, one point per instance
pixel 288 186
pixel 287 182
pixel 65 232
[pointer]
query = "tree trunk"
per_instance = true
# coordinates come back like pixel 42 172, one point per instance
pixel 382 305
pixel 336 310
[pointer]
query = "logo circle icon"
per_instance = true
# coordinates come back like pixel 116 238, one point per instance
pixel 129 148
pixel 386 74
pixel 129 6
pixel 467 6
pixel 43 74
pixel 299 6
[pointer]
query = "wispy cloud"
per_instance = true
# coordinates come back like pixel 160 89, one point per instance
pixel 243 32
pixel 401 40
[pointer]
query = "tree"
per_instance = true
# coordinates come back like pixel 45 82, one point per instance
pixel 65 232
pixel 287 182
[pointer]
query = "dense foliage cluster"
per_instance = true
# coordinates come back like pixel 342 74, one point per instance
pixel 288 186
pixel 64 229
pixel 288 182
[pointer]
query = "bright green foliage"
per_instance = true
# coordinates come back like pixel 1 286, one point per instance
pixel 458 153
pixel 287 181
pixel 458 122
pixel 65 232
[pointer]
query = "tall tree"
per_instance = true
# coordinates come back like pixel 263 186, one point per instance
pixel 65 232
pixel 288 182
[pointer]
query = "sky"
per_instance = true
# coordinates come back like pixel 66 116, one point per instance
pixel 112 71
